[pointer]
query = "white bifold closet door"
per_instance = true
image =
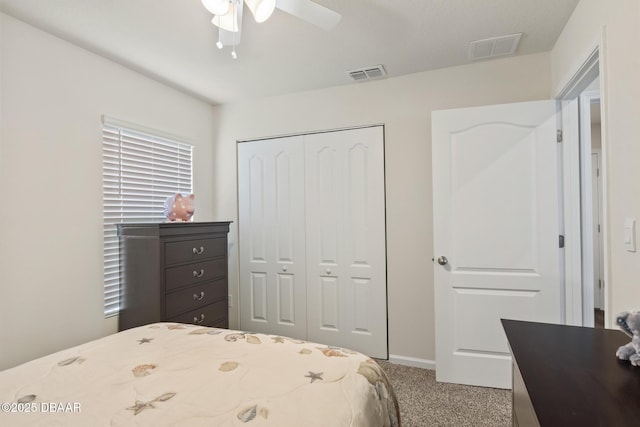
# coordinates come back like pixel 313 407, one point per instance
pixel 312 238
pixel 272 243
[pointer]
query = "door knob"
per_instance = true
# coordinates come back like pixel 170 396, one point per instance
pixel 442 260
pixel 284 268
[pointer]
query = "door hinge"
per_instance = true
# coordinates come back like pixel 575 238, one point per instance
pixel 559 135
pixel 598 228
pixel 561 241
pixel 599 284
pixel 598 172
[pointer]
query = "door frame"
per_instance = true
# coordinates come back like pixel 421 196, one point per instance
pixel 598 259
pixel 594 67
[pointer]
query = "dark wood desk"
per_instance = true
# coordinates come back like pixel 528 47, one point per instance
pixel 570 376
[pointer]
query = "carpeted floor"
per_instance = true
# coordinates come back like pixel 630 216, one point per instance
pixel 423 402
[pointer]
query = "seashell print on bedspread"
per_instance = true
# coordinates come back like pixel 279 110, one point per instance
pixel 140 406
pixel 143 370
pixel 175 374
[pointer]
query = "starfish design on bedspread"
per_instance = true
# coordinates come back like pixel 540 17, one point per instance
pixel 144 340
pixel 315 376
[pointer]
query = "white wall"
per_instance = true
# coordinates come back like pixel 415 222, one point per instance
pixel 615 26
pixel 404 105
pixel 53 94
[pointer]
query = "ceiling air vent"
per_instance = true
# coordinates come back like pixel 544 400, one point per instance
pixel 367 73
pixel 496 46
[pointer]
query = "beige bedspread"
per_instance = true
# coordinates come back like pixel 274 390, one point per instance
pixel 184 375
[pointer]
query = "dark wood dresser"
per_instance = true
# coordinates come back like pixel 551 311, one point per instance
pixel 174 272
pixel 570 376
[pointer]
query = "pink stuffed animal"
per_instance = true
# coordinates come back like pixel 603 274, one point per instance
pixel 179 208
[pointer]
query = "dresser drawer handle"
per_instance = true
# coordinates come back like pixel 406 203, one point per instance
pixel 198 274
pixel 197 251
pixel 198 298
pixel 196 321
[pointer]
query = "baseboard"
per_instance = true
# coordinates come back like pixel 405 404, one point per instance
pixel 413 362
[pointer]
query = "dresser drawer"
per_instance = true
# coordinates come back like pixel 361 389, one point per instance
pixel 195 297
pixel 194 250
pixel 212 314
pixel 190 274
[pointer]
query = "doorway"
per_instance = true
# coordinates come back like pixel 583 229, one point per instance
pixel 584 199
pixel 591 205
pixel 596 198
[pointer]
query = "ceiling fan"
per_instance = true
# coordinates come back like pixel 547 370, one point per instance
pixel 228 16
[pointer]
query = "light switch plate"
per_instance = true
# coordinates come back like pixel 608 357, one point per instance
pixel 630 234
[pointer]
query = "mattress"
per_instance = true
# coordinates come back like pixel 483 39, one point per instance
pixel 185 375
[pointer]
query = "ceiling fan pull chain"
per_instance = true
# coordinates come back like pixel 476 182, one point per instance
pixel 234 55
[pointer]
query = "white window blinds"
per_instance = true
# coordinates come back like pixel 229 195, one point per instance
pixel 139 171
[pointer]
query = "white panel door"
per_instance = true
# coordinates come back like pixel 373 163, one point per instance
pixel 346 255
pixel 271 227
pixel 496 223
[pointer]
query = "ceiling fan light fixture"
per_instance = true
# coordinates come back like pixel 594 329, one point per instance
pixel 229 21
pixel 261 9
pixel 217 7
pixel 227 16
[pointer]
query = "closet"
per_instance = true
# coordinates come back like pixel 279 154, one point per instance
pixel 312 238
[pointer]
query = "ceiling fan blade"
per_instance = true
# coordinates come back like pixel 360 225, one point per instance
pixel 311 12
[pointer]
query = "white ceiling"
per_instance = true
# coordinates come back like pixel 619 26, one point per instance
pixel 174 41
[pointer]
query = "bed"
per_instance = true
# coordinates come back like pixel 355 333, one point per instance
pixel 186 375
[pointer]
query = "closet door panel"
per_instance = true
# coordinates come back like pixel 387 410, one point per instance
pixel 344 175
pixel 326 203
pixel 365 247
pixel 324 215
pixel 271 226
pixel 285 198
pixel 358 188
pixel 329 304
pixel 287 299
pixel 258 297
pixel 361 311
pixel 258 216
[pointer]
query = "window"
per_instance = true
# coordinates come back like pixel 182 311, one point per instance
pixel 140 169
